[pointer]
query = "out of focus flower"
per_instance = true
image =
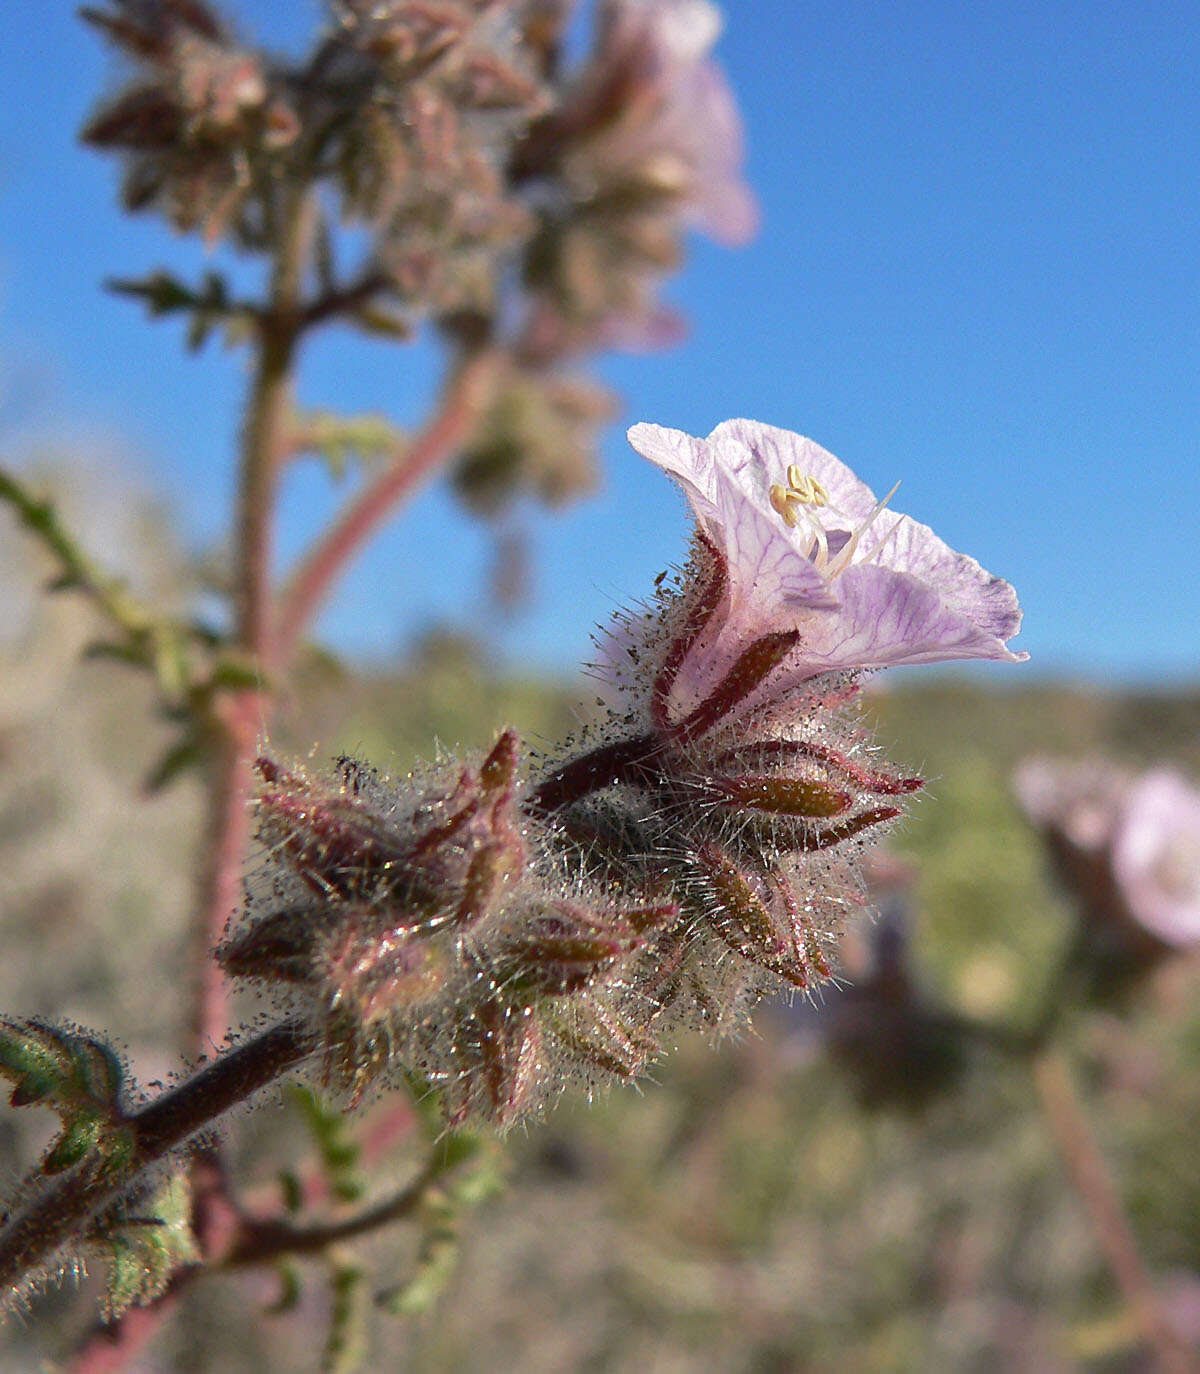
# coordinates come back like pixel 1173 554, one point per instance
pixel 807 547
pixel 680 133
pixel 1156 856
pixel 1127 846
pixel 646 144
pixel 202 118
pixel 538 438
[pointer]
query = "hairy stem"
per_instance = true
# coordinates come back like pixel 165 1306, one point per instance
pixel 265 437
pixel 465 398
pixel 61 1209
pixel 1094 1183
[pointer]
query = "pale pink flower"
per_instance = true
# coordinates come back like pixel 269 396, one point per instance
pixel 679 129
pixel 1156 856
pixel 1079 799
pixel 1127 844
pixel 808 547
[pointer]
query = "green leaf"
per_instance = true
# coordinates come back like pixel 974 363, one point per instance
pixel 188 753
pixel 340 439
pixel 80 1135
pixel 383 324
pixel 209 305
pixel 162 293
pixel 145 1250
pixel 235 674
pixel 291 1191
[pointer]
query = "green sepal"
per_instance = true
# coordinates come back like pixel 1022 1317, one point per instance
pixel 145 1250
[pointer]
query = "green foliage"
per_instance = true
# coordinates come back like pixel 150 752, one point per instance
pixel 145 1249
pixel 437 1259
pixel 345 1344
pixel 80 1078
pixel 333 1135
pixel 209 306
pixel 339 440
pixel 190 665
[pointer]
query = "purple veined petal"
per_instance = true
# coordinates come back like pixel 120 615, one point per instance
pixel 765 566
pixel 888 618
pixel 758 455
pixel 865 586
pixel 1156 856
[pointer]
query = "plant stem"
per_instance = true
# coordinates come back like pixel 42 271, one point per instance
pixel 61 1208
pixel 265 436
pixel 268 1240
pixel 463 401
pixel 1094 1183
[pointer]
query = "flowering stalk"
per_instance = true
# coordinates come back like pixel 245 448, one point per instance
pixel 503 933
pixel 1093 1182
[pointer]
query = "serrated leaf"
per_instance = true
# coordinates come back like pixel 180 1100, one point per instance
pixel 77 1076
pixel 145 1250
pixel 437 1260
pixel 59 1066
pixel 338 1151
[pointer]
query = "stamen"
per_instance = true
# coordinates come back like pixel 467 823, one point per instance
pixel 846 556
pixel 805 487
pixel 818 554
pixel 779 500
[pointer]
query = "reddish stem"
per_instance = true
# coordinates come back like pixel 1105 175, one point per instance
pixel 265 438
pixel 1094 1183
pixel 465 398
pixel 113 1348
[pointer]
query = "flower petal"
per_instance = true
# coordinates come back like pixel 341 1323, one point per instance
pixel 1156 856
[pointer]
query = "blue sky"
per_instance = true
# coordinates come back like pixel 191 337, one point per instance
pixel 978 271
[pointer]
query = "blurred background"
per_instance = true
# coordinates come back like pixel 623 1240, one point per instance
pixel 976 271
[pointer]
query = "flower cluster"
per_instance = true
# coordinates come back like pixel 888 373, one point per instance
pixel 418 103
pixel 1127 846
pixel 203 121
pixel 645 142
pixel 411 922
pixel 506 930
